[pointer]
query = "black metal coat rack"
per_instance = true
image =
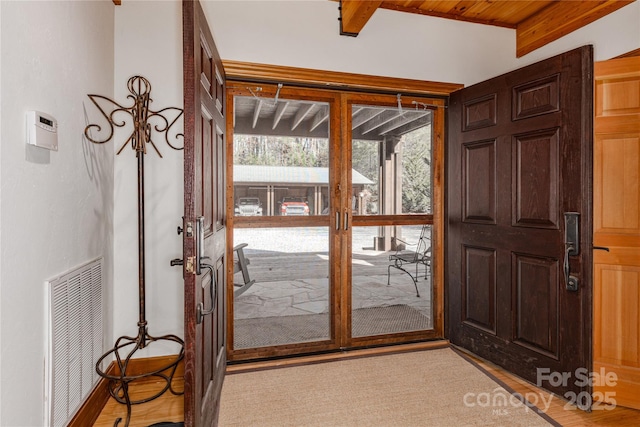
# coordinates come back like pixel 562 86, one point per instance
pixel 140 137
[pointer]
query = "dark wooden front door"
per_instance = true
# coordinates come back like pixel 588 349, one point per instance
pixel 204 220
pixel 519 157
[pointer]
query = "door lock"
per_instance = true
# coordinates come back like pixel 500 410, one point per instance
pixel 189 268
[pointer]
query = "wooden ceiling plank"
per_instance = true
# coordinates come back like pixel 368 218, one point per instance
pixel 282 107
pixel 356 109
pixel 405 119
pixel 430 10
pixel 462 7
pixel 320 117
pixel 303 111
pixel 559 19
pixel 365 116
pixel 256 112
pixel 354 14
pixel 381 120
pixel 413 125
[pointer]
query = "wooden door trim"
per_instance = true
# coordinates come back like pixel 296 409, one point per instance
pixel 191 129
pixel 244 367
pixel 248 71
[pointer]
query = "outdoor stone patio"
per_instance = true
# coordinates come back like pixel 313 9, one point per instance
pixel 292 278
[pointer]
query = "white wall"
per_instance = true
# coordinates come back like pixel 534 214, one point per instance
pixel 0 211
pixel 56 207
pixel 148 42
pixel 306 34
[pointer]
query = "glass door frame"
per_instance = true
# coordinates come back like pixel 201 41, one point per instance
pixel 340 242
pixel 268 92
pixel 435 219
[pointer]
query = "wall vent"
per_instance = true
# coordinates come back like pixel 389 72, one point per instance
pixel 75 339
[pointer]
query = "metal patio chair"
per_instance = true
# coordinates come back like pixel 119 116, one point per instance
pixel 402 259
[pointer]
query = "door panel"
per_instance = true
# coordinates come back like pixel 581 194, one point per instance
pixel 204 239
pixel 518 158
pixel 535 286
pixel 616 194
pixel 535 197
pixel 479 288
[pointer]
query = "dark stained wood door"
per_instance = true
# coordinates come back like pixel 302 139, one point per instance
pixel 519 157
pixel 204 216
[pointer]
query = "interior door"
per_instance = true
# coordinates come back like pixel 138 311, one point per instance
pixel 204 220
pixel 616 213
pixel 519 159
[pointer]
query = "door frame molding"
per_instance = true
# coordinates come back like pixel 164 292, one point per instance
pixel 249 71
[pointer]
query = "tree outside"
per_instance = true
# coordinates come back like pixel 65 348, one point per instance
pixel 314 152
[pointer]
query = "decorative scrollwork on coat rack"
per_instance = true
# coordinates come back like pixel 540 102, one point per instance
pixel 142 117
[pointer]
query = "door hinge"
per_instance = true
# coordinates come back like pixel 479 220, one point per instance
pixel 189 267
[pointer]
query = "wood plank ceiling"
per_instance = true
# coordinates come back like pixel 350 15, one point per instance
pixel 536 22
pixel 255 115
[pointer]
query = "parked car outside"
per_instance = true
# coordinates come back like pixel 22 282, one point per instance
pixel 248 206
pixel 294 206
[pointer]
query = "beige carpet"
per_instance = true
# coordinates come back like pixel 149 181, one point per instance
pixel 426 388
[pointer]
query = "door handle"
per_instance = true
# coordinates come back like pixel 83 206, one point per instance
pixel 570 280
pixel 213 290
pixel 346 221
pixel 337 220
pixel 200 264
pixel 572 247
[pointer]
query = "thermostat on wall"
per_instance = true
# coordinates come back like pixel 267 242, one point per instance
pixel 42 130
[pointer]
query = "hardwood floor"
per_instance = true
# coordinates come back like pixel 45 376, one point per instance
pixel 167 407
pixel 563 413
pixel 170 408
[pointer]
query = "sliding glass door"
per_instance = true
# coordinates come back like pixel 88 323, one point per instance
pixel 329 195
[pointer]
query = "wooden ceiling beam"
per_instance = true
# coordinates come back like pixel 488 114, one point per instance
pixel 301 114
pixel 354 14
pixel 559 19
pixel 256 112
pixel 320 117
pixel 282 107
pixel 365 116
pixel 403 120
pixel 381 120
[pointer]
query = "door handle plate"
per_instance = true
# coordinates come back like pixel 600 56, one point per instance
pixel 572 247
pixel 572 232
